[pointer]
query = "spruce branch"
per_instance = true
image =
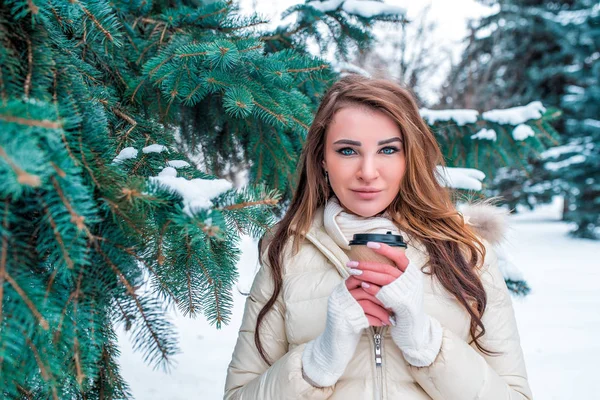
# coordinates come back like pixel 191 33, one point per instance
pixel 269 202
pixel 188 262
pixel 77 219
pixel 3 89
pixel 30 304
pixel 127 118
pixel 132 251
pixel 23 177
pixel 95 21
pixel 44 370
pixel 31 122
pixel 57 235
pixel 164 353
pixel 76 350
pixel 27 84
pixel 3 255
pixel 85 163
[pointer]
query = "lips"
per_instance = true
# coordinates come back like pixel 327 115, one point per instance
pixel 367 194
pixel 366 190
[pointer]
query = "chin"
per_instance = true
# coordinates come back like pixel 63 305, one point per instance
pixel 366 210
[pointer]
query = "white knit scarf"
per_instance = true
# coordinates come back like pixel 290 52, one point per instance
pixel 341 225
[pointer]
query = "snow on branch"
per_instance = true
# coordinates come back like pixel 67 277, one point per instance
pixel 516 115
pixel 522 132
pixel 365 9
pixel 125 154
pixel 576 17
pixel 592 122
pixel 154 148
pixel 178 163
pixel 461 117
pixel 553 166
pixel 460 178
pixel 370 9
pixel 196 192
pixel 485 134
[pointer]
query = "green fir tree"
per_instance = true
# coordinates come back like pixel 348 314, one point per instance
pixel 103 106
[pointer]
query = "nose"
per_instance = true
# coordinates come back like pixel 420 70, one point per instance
pixel 368 170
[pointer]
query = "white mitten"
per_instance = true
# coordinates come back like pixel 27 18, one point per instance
pixel 325 358
pixel 418 335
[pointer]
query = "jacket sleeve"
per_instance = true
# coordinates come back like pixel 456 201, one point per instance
pixel 249 377
pixel 462 372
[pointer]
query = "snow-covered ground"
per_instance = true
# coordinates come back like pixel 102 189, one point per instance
pixel 558 321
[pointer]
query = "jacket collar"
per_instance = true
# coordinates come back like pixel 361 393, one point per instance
pixel 319 237
pixel 488 221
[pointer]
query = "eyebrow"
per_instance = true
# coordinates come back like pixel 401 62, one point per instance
pixel 355 143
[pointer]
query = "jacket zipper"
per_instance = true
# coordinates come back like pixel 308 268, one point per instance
pixel 378 348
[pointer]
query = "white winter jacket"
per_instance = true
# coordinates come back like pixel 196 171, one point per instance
pixel 460 371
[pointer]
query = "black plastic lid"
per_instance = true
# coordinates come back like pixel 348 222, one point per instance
pixel 388 238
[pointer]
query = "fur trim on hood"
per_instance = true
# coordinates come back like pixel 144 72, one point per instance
pixel 489 221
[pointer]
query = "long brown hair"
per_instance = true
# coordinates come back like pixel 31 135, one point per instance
pixel 423 208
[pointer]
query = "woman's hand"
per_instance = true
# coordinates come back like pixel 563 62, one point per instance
pixel 373 308
pixel 374 275
pixel 368 277
pixel 400 288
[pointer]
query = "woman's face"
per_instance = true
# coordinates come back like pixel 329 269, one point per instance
pixel 365 160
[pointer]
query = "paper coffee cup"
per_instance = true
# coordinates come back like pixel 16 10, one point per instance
pixel 360 252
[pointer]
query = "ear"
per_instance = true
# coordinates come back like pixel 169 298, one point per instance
pixel 324 165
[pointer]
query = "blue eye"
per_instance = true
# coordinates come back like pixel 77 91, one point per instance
pixel 389 150
pixel 343 151
pixel 394 150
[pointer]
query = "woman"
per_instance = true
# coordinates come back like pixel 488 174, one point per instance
pixel 438 324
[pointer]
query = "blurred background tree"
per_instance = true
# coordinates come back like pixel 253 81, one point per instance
pixel 547 51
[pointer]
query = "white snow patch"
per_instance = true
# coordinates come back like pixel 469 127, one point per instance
pixel 576 17
pixel 485 32
pixel 325 6
pixel 485 134
pixel 522 132
pixel 592 122
pixel 365 9
pixel 125 154
pixel 572 98
pixel 460 116
pixel 516 115
pixel 196 192
pixel 154 148
pixel 558 150
pixel 168 171
pixel 553 166
pixel 575 89
pixel 178 163
pixel 460 178
pixel 370 9
pixel 573 68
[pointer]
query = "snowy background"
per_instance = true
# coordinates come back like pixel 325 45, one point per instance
pixel 558 322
